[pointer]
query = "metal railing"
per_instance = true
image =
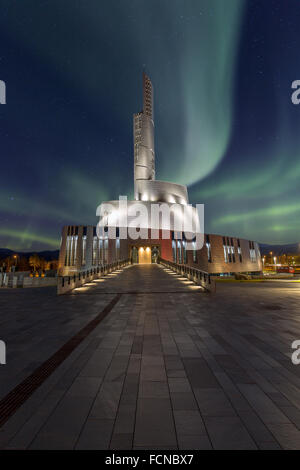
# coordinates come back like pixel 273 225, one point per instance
pixel 200 277
pixel 67 283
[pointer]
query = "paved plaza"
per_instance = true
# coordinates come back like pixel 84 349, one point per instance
pixel 170 366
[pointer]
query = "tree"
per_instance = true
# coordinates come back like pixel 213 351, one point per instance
pixel 35 262
pixel 43 264
pixel 9 262
pixel 54 264
pixel 23 264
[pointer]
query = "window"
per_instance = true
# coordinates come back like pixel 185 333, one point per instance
pixel 95 251
pixel 100 251
pixel 74 252
pixel 179 252
pixel 228 250
pixel 194 252
pixel 208 247
pixel 184 251
pixel 83 250
pixel 239 251
pixel 252 252
pixel 105 257
pixel 67 251
pixel 174 251
pixel 225 250
pixel 117 248
pixel 71 250
pixel 232 251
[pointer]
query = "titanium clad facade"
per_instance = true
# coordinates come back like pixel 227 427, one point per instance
pixel 143 139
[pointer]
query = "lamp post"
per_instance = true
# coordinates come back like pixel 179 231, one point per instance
pixel 14 267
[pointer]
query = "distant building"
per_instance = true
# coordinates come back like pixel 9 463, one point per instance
pixel 81 248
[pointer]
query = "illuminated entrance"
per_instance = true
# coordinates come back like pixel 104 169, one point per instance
pixel 145 255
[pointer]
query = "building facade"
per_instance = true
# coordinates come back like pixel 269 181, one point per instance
pixel 83 249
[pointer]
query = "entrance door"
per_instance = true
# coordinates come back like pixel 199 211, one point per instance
pixel 135 255
pixel 145 255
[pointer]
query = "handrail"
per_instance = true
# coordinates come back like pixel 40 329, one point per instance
pixel 67 283
pixel 200 277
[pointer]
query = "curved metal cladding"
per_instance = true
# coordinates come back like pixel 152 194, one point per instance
pixel 145 186
pixel 143 147
pixel 162 191
pixel 143 136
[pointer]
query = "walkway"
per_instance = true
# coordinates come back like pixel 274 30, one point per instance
pixel 169 366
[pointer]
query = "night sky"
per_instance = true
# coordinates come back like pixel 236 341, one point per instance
pixel 225 123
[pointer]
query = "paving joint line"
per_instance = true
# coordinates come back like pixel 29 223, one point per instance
pixel 20 394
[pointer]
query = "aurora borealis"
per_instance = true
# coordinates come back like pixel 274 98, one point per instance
pixel 225 124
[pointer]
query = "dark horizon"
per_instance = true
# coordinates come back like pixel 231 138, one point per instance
pixel 264 247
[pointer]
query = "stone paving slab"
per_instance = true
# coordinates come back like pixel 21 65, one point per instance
pixel 173 370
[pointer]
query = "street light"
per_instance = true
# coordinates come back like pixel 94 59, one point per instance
pixel 13 267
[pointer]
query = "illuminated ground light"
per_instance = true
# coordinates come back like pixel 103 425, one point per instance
pixel 99 280
pixel 81 289
pixel 195 287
